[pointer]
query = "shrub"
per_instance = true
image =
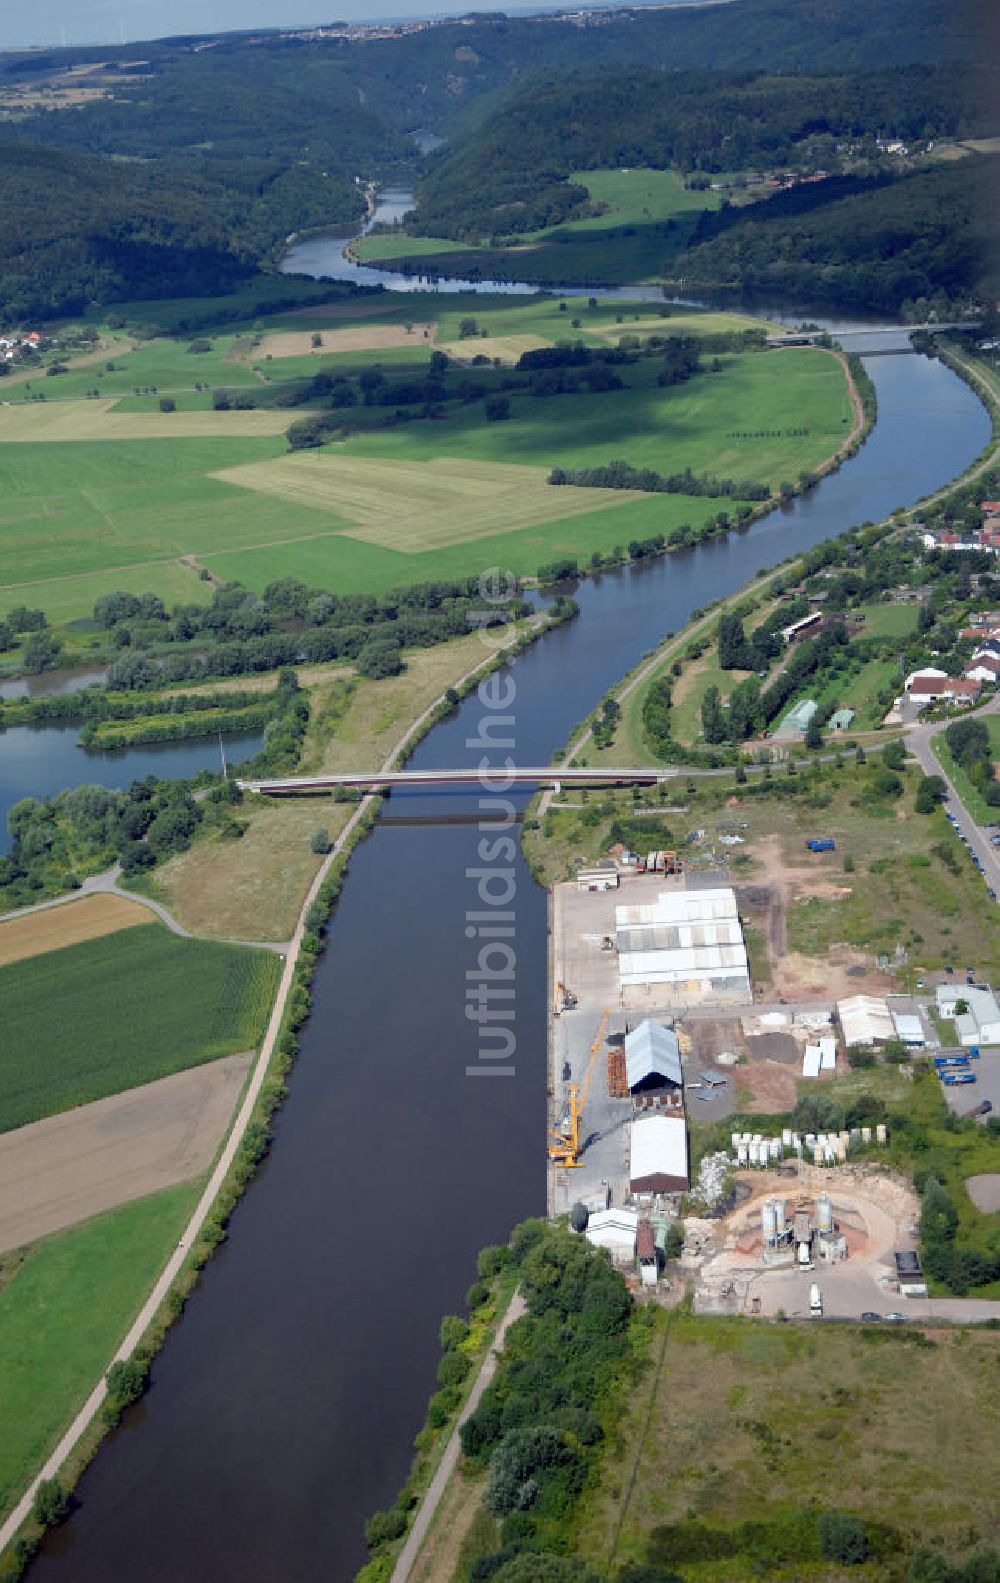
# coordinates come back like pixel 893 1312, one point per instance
pixel 453 1368
pixel 453 1331
pixel 841 1538
pixel 168 404
pixel 491 1261
pixel 382 1527
pixel 51 1503
pixel 477 1294
pixel 320 841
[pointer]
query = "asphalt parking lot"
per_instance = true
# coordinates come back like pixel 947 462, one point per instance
pixel 987 1086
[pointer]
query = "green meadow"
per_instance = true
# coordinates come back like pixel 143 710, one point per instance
pixel 106 1015
pixel 65 1304
pixel 628 241
pixel 77 519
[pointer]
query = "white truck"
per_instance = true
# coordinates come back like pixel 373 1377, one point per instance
pixel 815 1301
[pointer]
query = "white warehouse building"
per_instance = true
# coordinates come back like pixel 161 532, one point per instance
pixel 689 943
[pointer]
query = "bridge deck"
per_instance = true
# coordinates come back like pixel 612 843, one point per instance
pixel 492 778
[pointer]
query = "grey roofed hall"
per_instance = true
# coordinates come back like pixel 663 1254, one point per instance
pixel 652 1056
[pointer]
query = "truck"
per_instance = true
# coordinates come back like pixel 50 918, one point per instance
pixel 815 1301
pixel 824 843
pixel 953 1079
pixel 947 1063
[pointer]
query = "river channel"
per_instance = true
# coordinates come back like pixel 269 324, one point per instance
pixel 283 1405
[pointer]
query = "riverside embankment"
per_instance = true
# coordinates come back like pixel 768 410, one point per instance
pixel 315 1328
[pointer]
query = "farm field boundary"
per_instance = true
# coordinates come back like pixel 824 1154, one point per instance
pixel 57 1172
pixel 89 918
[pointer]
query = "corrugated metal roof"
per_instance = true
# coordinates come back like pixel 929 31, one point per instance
pixel 658 1147
pixel 645 1246
pixel 651 1050
pixel 649 967
pixel 680 907
pixel 865 1019
pixel 910 1029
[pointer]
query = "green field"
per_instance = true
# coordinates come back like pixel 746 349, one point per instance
pixel 166 364
pixel 65 1305
pixel 768 1425
pixel 889 621
pixel 626 243
pixel 107 1015
pixel 129 510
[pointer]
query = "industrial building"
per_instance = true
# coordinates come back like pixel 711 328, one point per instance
pixel 909 1028
pixel 980 1023
pixel 602 875
pixel 688 942
pixel 909 1275
pixel 614 1229
pixel 865 1019
pixel 658 1154
pixel 652 1059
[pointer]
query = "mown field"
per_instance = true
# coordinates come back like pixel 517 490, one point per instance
pixel 65 1304
pixel 107 1014
pixel 737 1435
pixel 77 519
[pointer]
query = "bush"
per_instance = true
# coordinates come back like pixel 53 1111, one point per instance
pixel 491 1261
pixel 168 404
pixel 477 1294
pixel 51 1503
pixel 497 409
pixel 453 1368
pixel 383 1527
pixel 453 1331
pixel 320 841
pixel 841 1538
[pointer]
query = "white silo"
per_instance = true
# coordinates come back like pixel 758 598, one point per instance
pixel 866 1135
pixel 737 1139
pixel 824 1214
pixel 880 1133
pixel 786 1137
pixel 767 1219
pixel 779 1217
pixel 741 1154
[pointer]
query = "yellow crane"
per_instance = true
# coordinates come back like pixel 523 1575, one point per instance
pixel 565 1146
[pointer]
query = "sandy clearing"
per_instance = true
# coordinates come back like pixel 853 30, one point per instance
pixel 359 338
pixel 97 420
pixel 984 1191
pixel 56 1172
pixel 86 919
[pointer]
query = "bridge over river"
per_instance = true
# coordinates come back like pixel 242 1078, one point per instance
pixel 493 777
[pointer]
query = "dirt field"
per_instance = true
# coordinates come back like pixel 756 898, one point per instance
pixel 365 338
pixel 460 1507
pixel 98 420
pixel 85 919
pixel 984 1191
pixel 507 348
pixel 56 1172
pixel 843 970
pixel 416 506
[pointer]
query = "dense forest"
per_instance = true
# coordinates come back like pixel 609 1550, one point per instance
pixel 229 148
pixel 509 176
pixel 929 237
pixel 80 229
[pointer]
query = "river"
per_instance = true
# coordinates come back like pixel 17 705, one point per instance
pixel 283 1404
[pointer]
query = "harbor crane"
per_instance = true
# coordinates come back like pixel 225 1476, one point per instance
pixel 565 1147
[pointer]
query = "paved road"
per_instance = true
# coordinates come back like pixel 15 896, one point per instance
pixel 919 742
pixel 446 1467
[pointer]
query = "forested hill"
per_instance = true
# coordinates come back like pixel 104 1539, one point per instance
pixel 79 229
pixel 509 175
pixel 932 235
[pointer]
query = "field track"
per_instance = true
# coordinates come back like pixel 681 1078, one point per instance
pixel 98 420
pixel 57 1172
pixel 86 919
pixel 415 506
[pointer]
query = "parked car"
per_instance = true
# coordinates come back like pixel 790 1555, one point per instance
pixel 871 1318
pixel 895 1319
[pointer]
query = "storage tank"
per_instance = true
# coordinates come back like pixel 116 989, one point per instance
pixel 786 1137
pixel 779 1217
pixel 866 1135
pixel 880 1133
pixel 737 1139
pixel 824 1213
pixel 751 1154
pixel 774 1149
pixel 741 1154
pixel 767 1221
